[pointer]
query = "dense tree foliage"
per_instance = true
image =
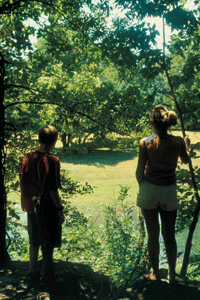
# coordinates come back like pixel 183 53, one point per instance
pixel 16 80
pixel 176 63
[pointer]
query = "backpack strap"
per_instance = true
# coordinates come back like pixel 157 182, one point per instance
pixel 37 199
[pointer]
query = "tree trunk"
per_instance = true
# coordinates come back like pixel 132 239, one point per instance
pixel 3 252
pixel 63 138
pixel 188 245
pixel 68 139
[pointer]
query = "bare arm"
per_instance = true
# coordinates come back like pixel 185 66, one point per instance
pixel 142 160
pixel 56 199
pixel 185 154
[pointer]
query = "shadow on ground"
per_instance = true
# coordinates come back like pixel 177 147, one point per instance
pixel 74 282
pixel 79 282
pixel 150 290
pixel 98 157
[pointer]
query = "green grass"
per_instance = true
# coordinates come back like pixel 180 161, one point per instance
pixel 105 171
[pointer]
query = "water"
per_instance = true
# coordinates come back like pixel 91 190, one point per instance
pixel 98 219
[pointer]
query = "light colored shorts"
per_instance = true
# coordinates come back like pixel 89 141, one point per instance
pixel 151 196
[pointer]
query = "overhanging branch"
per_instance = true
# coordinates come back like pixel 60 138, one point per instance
pixel 19 86
pixel 9 7
pixel 29 102
pixel 64 107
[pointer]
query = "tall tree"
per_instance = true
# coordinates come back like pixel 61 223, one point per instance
pixel 14 71
pixel 69 69
pixel 9 49
pixel 160 61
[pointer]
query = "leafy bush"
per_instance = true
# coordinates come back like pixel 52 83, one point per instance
pixel 185 191
pixel 194 266
pixel 185 217
pixel 123 254
pixel 115 249
pixel 17 240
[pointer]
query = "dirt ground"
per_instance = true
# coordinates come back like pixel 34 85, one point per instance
pixel 80 282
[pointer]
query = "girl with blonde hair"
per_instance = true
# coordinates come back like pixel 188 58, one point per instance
pixel 157 162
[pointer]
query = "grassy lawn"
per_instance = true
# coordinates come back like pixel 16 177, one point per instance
pixel 106 170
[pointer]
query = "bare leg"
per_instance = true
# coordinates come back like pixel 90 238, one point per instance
pixel 33 258
pixel 152 225
pixel 168 219
pixel 47 268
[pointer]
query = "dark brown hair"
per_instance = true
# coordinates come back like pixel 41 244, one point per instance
pixel 162 118
pixel 48 135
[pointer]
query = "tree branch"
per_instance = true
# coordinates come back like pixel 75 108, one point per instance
pixel 18 86
pixel 80 103
pixel 30 102
pixel 197 210
pixel 71 109
pixel 9 7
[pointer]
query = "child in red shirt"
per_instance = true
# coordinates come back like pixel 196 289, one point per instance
pixel 39 182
